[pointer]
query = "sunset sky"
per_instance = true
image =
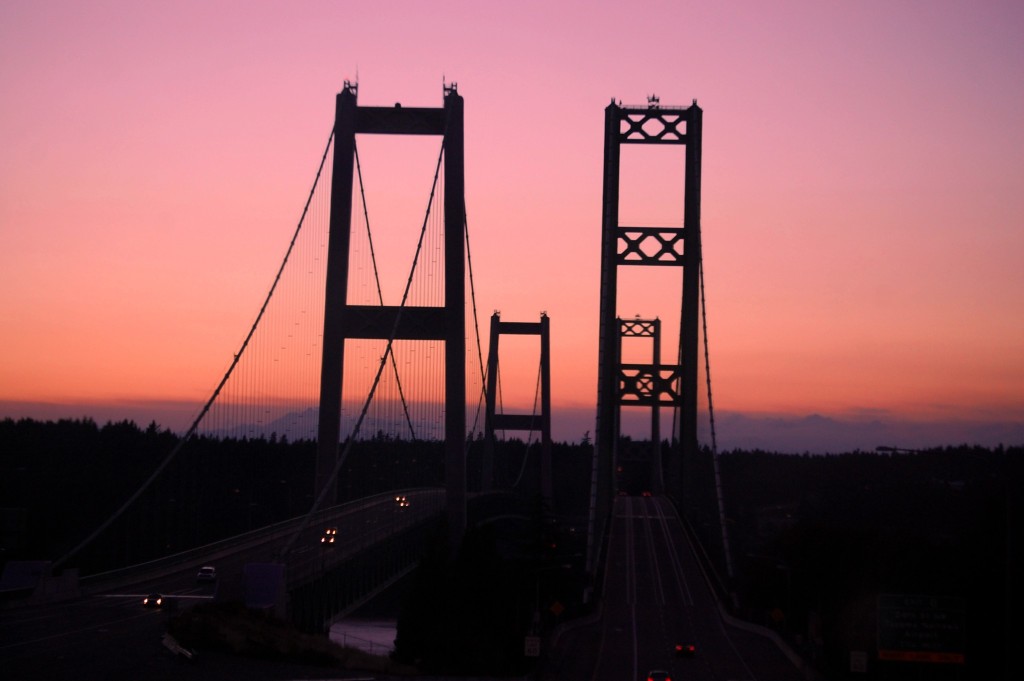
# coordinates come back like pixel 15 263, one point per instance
pixel 862 207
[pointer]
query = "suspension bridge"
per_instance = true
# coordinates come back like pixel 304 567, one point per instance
pixel 370 371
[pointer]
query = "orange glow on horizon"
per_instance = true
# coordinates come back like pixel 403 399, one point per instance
pixel 862 195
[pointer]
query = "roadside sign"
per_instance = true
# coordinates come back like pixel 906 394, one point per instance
pixel 531 647
pixel 921 628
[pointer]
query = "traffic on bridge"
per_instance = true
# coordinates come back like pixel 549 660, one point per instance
pixel 658 613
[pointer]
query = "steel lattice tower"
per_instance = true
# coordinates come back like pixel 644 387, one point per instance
pixel 645 246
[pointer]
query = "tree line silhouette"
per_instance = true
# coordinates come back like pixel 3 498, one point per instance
pixel 814 539
pixel 59 480
pixel 817 540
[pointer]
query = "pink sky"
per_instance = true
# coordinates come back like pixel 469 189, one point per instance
pixel 863 203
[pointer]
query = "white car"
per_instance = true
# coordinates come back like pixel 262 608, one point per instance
pixel 207 573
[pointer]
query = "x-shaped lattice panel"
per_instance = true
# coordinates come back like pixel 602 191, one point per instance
pixel 637 328
pixel 640 385
pixel 651 246
pixel 652 127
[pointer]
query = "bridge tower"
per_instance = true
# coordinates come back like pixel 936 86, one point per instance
pixel 446 323
pixel 637 388
pixel 646 246
pixel 529 422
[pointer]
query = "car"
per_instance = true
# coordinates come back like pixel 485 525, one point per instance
pixel 658 675
pixel 207 573
pixel 329 535
pixel 153 601
pixel 685 650
pixel 402 501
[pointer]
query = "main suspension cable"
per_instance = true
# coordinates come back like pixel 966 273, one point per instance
pixel 711 413
pixel 476 329
pixel 707 361
pixel 339 462
pixel 533 415
pixel 209 403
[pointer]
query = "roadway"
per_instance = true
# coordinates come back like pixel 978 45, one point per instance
pixel 116 639
pixel 106 633
pixel 103 635
pixel 654 596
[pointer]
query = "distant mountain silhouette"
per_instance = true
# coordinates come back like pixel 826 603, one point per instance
pixel 815 433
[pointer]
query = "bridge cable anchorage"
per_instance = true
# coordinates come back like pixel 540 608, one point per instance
pixel 533 417
pixel 476 329
pixel 331 481
pixel 376 278
pixel 209 403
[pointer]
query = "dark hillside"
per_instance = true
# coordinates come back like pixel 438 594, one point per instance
pixel 817 539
